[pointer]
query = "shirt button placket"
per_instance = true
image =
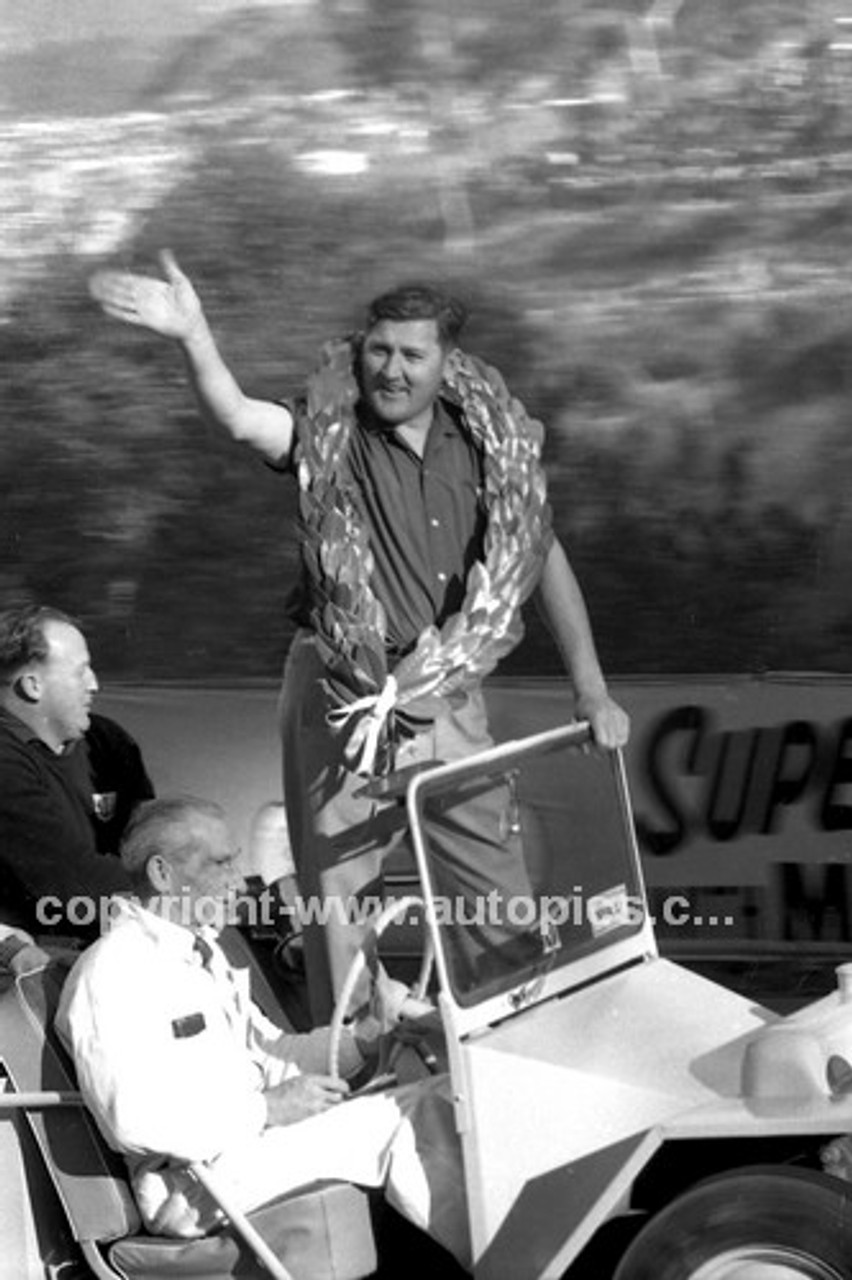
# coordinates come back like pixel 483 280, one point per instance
pixel 435 524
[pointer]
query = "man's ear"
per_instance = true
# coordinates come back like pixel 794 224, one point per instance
pixel 27 686
pixel 157 870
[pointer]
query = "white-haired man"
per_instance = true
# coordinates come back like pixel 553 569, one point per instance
pixel 177 1064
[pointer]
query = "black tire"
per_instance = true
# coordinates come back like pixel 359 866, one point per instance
pixel 764 1221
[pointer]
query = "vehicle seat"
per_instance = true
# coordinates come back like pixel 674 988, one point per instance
pixel 321 1233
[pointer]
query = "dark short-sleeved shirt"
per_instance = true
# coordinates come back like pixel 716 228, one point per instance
pixel 48 842
pixel 426 520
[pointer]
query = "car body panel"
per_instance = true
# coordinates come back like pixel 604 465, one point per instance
pixel 570 1076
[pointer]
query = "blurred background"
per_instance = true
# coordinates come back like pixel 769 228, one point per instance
pixel 646 203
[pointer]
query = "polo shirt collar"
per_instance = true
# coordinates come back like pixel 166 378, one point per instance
pixel 19 729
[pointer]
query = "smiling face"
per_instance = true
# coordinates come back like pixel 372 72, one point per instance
pixel 64 685
pixel 402 365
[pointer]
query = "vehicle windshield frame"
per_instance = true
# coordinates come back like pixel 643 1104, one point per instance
pixel 559 973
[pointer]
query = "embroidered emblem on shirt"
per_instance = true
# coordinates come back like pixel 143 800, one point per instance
pixel 191 1025
pixel 104 804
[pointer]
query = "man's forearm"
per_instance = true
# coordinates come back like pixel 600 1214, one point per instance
pixel 564 610
pixel 217 391
pixel 264 425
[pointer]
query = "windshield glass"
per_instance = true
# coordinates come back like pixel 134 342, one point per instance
pixel 531 864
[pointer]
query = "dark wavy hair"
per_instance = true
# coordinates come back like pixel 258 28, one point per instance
pixel 22 638
pixel 420 302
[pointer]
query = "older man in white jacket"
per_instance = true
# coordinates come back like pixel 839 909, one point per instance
pixel 177 1064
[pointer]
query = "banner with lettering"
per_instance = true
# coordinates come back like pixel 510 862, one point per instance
pixel 741 789
pixel 742 798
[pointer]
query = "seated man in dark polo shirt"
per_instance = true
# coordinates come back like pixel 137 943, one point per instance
pixel 424 529
pixel 68 781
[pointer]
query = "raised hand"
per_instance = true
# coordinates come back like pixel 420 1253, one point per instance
pixel 168 307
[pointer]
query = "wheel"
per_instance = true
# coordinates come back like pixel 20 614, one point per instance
pixel 761 1223
pixel 367 957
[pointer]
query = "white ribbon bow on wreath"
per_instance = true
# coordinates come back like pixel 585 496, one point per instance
pixel 371 714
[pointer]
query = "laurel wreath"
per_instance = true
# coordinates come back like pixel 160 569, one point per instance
pixel 348 619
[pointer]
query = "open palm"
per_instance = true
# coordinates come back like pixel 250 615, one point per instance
pixel 169 307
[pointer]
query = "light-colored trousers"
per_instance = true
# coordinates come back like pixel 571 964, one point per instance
pixel 403 1140
pixel 340 840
